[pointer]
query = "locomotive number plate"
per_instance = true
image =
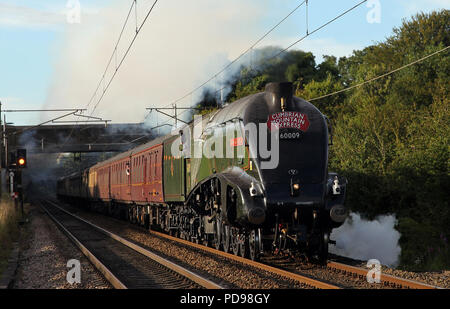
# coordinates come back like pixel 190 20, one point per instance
pixel 286 134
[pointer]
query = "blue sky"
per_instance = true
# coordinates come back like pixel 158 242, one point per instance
pixel 32 35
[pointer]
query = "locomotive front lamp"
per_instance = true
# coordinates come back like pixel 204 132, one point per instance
pixel 295 188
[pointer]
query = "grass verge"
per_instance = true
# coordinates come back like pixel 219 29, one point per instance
pixel 9 229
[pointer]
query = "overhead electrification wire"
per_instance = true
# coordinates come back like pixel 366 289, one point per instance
pixel 241 55
pixel 380 76
pixel 307 35
pixel 114 56
pixel 318 29
pixel 236 59
pixel 278 53
pixel 138 30
pixel 114 53
pixel 377 77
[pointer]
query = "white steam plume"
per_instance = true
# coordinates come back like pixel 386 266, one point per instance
pixel 182 44
pixel 364 240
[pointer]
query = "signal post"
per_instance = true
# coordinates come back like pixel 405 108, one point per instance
pixel 18 163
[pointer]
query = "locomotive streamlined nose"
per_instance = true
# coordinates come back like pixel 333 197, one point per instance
pixel 256 216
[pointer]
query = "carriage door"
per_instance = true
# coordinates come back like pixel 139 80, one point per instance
pixel 128 172
pixel 144 185
pixel 185 148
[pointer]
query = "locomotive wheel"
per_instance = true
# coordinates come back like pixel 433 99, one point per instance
pixel 164 223
pixel 218 234
pixel 317 251
pixel 323 250
pixel 191 237
pixel 254 244
pixel 234 241
pixel 206 241
pixel 226 238
pixel 243 246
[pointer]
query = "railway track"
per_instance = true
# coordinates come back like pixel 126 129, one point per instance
pixel 387 281
pixel 123 263
pixel 353 277
pixel 303 280
pixel 314 283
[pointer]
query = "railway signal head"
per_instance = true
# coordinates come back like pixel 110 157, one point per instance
pixel 21 158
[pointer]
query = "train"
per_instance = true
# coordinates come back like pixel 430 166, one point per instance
pixel 249 178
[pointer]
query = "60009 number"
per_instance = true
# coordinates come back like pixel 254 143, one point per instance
pixel 290 135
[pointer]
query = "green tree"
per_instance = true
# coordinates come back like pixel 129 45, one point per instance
pixel 392 137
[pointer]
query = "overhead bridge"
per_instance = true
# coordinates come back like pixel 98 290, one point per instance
pixel 78 138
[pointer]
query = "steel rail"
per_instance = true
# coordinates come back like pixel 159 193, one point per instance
pixel 299 278
pixel 383 277
pixel 170 265
pixel 397 281
pixel 115 282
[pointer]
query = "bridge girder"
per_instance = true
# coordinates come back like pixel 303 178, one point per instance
pixel 78 138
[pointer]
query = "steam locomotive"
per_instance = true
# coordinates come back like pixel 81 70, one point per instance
pixel 249 178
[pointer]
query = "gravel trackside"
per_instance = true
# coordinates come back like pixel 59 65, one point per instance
pixel 44 255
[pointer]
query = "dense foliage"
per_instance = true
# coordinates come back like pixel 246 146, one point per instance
pixel 391 136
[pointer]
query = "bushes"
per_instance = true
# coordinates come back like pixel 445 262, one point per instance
pixel 391 136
